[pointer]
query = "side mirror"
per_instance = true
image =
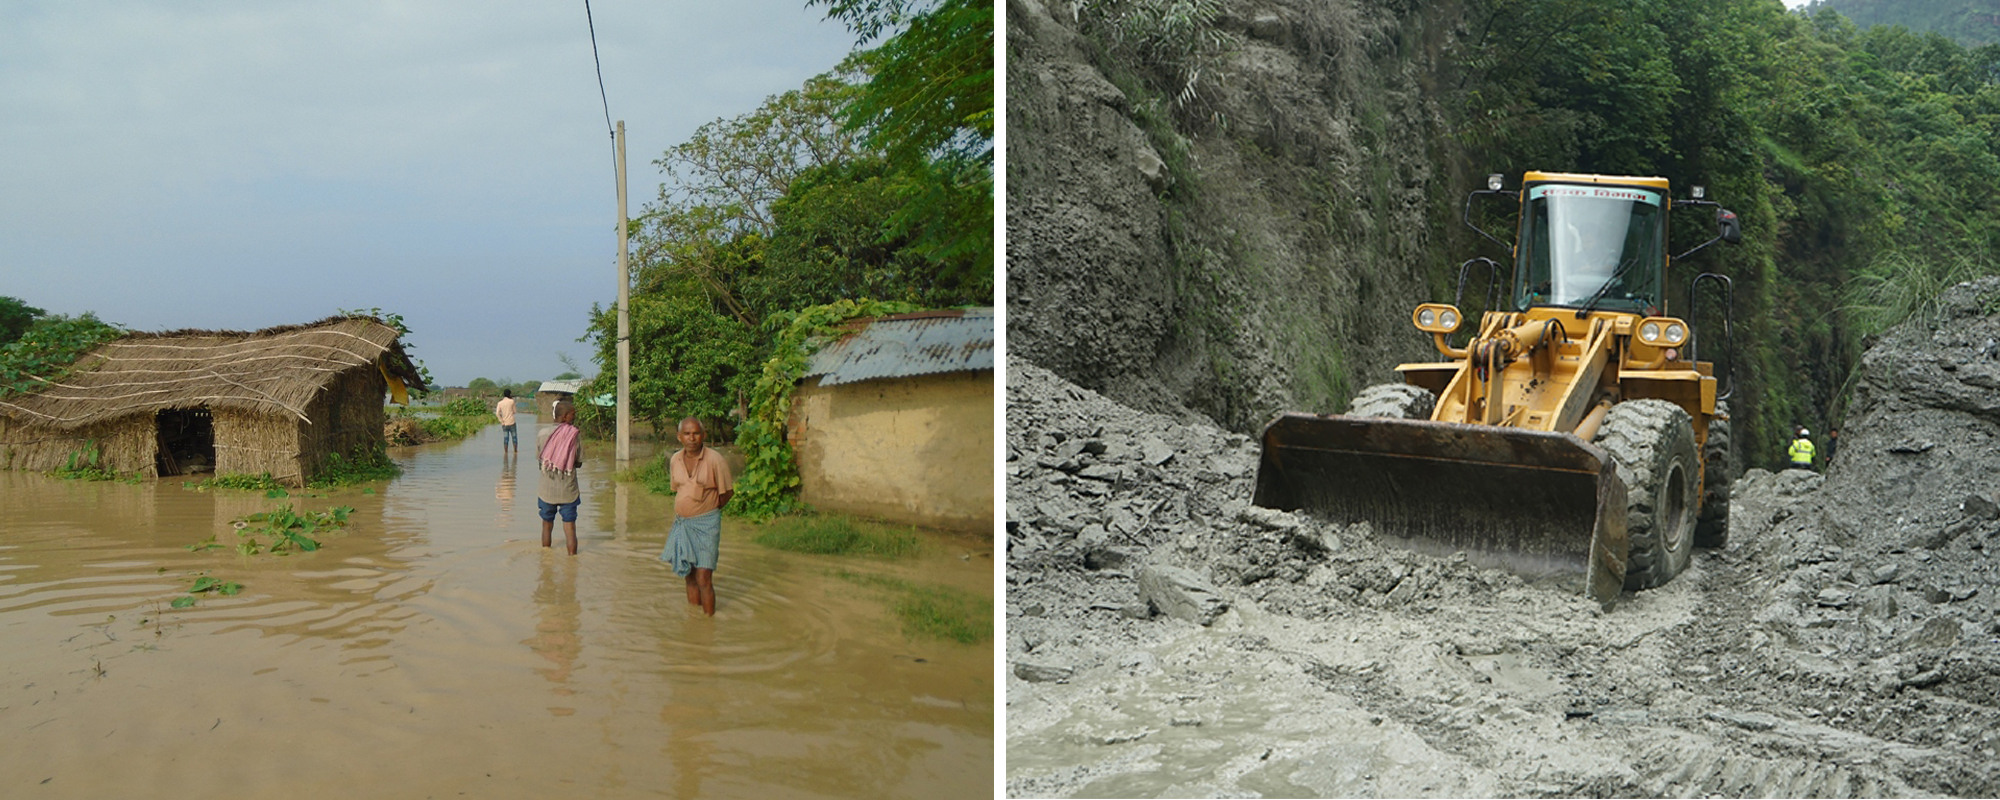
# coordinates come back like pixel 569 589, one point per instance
pixel 1727 226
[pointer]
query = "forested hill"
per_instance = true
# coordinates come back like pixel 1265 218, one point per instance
pixel 1969 22
pixel 1228 207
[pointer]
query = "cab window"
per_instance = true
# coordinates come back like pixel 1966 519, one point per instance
pixel 1577 240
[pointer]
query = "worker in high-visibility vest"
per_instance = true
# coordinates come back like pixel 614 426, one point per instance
pixel 1802 451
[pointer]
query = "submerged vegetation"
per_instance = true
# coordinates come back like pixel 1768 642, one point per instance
pixel 283 530
pixel 932 612
pixel 261 482
pixel 364 466
pixel 827 534
pixel 204 585
pixel 86 464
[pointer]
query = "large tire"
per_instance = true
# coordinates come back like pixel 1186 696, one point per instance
pixel 1651 443
pixel 1393 400
pixel 1711 527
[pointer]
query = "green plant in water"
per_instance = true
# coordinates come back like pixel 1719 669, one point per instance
pixel 236 480
pixel 205 584
pixel 932 612
pixel 283 530
pixel 836 535
pixel 86 464
pixel 362 466
pixel 770 479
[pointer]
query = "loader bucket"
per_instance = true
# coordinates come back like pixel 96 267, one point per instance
pixel 1533 502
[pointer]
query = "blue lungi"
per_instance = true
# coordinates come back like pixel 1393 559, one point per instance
pixel 694 542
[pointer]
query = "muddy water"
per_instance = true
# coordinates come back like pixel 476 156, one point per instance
pixel 434 648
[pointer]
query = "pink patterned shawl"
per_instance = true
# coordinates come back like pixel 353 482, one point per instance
pixel 559 454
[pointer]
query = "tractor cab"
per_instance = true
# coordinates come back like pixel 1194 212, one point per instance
pixel 1585 242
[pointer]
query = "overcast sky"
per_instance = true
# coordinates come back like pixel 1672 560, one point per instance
pixel 240 164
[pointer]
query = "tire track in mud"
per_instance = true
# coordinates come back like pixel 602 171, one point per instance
pixel 1785 721
pixel 1685 766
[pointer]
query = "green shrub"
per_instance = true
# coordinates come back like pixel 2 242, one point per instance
pixel 652 474
pixel 466 407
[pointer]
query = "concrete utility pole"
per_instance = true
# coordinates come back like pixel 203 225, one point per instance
pixel 624 319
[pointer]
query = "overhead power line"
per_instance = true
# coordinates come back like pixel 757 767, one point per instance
pixel 600 79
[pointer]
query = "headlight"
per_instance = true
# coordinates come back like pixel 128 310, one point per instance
pixel 1663 331
pixel 1436 318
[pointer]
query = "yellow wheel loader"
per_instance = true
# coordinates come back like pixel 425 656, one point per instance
pixel 1574 433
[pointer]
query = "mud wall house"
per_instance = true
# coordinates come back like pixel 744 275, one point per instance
pixel 894 421
pixel 279 401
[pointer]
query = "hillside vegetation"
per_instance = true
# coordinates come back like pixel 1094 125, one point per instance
pixel 1969 22
pixel 1227 209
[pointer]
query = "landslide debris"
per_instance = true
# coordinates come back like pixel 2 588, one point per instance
pixel 1165 638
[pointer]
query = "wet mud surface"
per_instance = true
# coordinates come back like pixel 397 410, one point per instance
pixel 1166 639
pixel 432 647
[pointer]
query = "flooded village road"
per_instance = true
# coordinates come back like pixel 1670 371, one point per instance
pixel 433 648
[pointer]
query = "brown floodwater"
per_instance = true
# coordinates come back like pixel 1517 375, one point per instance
pixel 433 648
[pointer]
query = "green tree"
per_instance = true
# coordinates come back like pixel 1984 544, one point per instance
pixel 482 385
pixel 15 318
pixel 721 184
pixel 832 242
pixel 928 107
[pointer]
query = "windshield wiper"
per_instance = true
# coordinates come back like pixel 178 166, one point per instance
pixel 1597 297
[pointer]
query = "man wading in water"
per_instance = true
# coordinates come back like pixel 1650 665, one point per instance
pixel 702 486
pixel 560 453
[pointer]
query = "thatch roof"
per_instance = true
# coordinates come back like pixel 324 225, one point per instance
pixel 275 370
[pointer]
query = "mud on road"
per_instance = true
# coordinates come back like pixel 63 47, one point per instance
pixel 1164 638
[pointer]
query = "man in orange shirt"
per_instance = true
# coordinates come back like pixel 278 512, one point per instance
pixel 702 486
pixel 505 411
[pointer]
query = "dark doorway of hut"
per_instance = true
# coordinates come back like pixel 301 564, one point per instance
pixel 187 441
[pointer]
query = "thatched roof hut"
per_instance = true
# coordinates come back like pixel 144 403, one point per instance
pixel 278 401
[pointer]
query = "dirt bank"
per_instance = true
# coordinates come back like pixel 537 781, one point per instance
pixel 1163 638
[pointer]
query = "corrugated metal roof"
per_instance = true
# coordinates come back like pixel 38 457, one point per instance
pixel 905 345
pixel 567 387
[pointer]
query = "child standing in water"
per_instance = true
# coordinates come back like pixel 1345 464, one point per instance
pixel 560 453
pixel 702 486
